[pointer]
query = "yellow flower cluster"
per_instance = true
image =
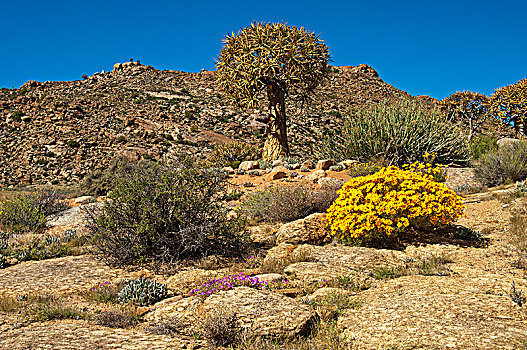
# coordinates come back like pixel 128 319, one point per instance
pixel 390 201
pixel 438 171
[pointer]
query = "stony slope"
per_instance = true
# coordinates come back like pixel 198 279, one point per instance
pixel 55 132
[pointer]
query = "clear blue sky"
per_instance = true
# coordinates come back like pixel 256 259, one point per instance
pixel 423 47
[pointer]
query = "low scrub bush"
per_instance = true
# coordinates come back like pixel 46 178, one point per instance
pixel 116 318
pixel 142 292
pixel 220 328
pixel 29 211
pixel 507 164
pixel 400 132
pixel 374 208
pixel 103 180
pixel 284 204
pixel 481 145
pixel 49 308
pixel 165 213
pixel 232 154
pixel 30 246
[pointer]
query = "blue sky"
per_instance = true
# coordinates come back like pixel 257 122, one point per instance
pixel 422 47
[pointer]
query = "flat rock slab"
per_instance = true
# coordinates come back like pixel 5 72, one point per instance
pixel 56 276
pixel 431 313
pixel 330 262
pixel 70 334
pixel 75 217
pixel 264 313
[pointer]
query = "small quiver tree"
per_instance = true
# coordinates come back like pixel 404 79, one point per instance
pixel 467 108
pixel 282 60
pixel 509 103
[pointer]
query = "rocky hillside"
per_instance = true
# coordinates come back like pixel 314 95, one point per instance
pixel 56 132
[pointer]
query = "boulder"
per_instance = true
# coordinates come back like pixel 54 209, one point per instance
pixel 249 165
pixel 315 175
pixel 348 163
pixel 277 173
pixel 312 230
pixel 308 164
pixel 263 313
pixel 263 235
pixel 329 182
pixel 270 277
pixel 325 292
pixel 177 309
pixel 324 164
pixel 183 282
pixel 507 141
pixel 85 200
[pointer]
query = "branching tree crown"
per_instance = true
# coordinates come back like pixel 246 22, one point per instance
pixel 469 108
pixel 509 103
pixel 286 61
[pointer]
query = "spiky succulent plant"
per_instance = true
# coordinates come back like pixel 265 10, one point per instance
pixel 285 61
pixel 142 291
pixel 467 107
pixel 509 103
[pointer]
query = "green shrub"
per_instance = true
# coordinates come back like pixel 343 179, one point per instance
pixel 232 152
pixel 364 169
pixel 101 181
pixel 29 211
pixel 400 132
pixel 284 204
pixel 73 143
pixel 142 292
pixel 481 145
pixel 507 164
pixel 165 213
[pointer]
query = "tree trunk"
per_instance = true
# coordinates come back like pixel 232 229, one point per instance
pixel 276 141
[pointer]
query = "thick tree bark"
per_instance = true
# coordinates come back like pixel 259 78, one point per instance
pixel 276 145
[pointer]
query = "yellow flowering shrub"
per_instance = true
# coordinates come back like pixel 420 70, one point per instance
pixel 390 201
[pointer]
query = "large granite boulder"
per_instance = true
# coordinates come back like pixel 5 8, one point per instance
pixel 264 313
pixel 312 230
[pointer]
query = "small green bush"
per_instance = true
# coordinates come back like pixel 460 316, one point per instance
pixel 506 164
pixel 101 181
pixel 142 292
pixel 400 132
pixel 481 145
pixel 29 211
pixel 73 143
pixel 229 153
pixel 165 213
pixel 283 204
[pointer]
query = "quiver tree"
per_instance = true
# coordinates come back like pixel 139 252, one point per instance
pixel 285 62
pixel 509 103
pixel 468 108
